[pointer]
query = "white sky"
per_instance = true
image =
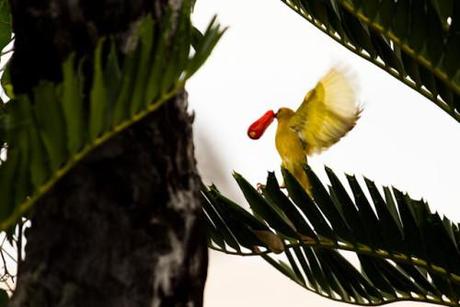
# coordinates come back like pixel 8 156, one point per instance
pixel 269 58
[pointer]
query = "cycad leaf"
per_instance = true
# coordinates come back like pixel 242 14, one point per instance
pixel 98 120
pixel 51 122
pixel 5 23
pixel 51 129
pixel 417 42
pixel 420 263
pixel 72 105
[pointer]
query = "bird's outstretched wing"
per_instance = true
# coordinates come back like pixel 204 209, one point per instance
pixel 327 112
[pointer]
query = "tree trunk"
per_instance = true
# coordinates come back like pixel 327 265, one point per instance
pixel 124 227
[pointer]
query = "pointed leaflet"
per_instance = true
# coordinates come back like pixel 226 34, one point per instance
pixel 385 52
pixel 370 8
pixel 214 236
pixel 248 231
pixel 348 274
pixel 374 275
pixel 368 218
pixel 449 228
pixel 178 55
pixel 6 85
pixel 401 18
pixel 445 250
pixel 274 195
pixel 420 277
pixel 305 267
pixel 316 270
pixel 210 38
pixel 123 100
pixel 112 79
pixel 229 208
pixel 418 29
pixel 143 65
pixel 357 33
pixel 261 208
pixel 282 267
pixel 330 276
pixel 327 206
pixel 335 277
pixel 390 231
pixel 445 286
pixel 294 266
pixel 5 23
pixel 39 167
pixel 307 206
pixel 72 104
pixel 21 117
pixel 218 222
pixel 444 9
pixel 412 235
pixel 449 62
pixel 8 173
pixel 398 279
pixel 98 121
pixel 162 33
pixel 51 123
pixel 349 210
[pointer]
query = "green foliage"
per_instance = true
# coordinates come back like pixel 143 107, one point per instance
pixel 5 23
pixel 51 130
pixel 4 299
pixel 404 251
pixel 417 42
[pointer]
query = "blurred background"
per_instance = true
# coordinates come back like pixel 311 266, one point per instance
pixel 269 58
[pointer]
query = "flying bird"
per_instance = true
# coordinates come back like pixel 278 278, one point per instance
pixel 328 112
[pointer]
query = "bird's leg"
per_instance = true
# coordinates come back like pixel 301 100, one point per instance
pixel 259 187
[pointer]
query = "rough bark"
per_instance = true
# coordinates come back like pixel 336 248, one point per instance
pixel 46 31
pixel 124 227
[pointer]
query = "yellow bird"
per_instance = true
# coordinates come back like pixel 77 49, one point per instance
pixel 326 114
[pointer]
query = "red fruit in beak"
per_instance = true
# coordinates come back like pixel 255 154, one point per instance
pixel 258 128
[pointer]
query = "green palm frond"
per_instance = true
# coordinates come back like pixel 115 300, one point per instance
pixel 417 42
pixel 5 39
pixel 5 23
pixel 3 298
pixel 50 131
pixel 403 250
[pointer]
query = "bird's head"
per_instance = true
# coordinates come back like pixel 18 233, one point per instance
pixel 284 114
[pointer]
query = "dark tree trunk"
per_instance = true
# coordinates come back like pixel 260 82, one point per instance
pixel 124 227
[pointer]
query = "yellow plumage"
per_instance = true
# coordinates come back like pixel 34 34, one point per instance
pixel 326 114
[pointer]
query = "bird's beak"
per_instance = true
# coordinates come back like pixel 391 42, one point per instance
pixel 258 128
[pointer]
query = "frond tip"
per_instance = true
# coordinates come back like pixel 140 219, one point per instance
pixel 403 250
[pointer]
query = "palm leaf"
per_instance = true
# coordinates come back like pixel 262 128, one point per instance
pixel 417 42
pixel 5 23
pixel 4 299
pixel 5 39
pixel 50 131
pixel 403 251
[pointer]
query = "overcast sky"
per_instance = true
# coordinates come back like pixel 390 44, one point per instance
pixel 269 58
